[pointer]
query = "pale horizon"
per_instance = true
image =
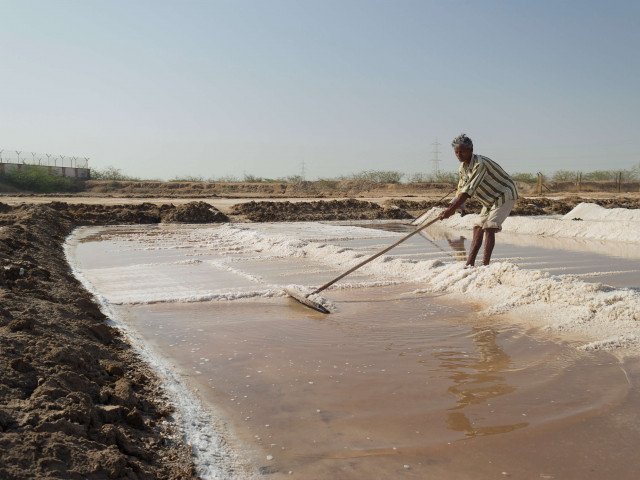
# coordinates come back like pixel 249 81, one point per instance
pixel 166 89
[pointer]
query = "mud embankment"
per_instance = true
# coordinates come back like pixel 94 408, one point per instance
pixel 302 189
pixel 326 188
pixel 398 209
pixel 145 213
pixel 523 207
pixel 75 401
pixel 314 211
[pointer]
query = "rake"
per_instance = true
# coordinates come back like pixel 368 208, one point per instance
pixel 304 298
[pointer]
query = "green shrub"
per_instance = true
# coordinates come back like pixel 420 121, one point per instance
pixel 378 176
pixel 524 177
pixel 34 178
pixel 440 177
pixel 600 175
pixel 188 178
pixel 111 173
pixel 564 176
pixel 293 179
pixel 225 179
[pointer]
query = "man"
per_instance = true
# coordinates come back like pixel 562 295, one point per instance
pixel 494 188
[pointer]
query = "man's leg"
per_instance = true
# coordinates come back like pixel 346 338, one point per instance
pixel 493 225
pixel 476 243
pixel 489 243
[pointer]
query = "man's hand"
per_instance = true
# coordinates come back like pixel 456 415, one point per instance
pixel 457 203
pixel 447 213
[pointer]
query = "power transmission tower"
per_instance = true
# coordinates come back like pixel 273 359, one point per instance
pixel 303 169
pixel 435 160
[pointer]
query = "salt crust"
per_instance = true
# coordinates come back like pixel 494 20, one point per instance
pixel 607 317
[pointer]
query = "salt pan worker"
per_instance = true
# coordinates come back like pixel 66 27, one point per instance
pixel 494 188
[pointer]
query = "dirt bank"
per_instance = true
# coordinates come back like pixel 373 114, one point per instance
pixel 321 210
pixel 524 206
pixel 398 209
pixel 275 189
pixel 96 214
pixel 75 401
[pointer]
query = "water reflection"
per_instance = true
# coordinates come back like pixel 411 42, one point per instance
pixel 476 379
pixel 456 242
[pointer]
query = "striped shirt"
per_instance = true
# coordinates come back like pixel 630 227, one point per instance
pixel 488 181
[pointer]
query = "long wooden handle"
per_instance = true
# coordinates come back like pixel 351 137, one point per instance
pixel 382 252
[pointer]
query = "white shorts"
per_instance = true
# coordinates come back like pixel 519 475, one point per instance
pixel 494 217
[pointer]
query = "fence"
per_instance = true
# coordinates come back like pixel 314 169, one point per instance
pixel 60 165
pixel 20 157
pixel 579 182
pixel 72 172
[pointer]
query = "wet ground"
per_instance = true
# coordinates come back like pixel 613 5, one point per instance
pixel 391 385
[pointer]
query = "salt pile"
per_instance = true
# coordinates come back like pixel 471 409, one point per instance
pixel 586 220
pixel 591 211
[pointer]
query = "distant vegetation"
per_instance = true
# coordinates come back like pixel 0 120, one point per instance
pixel 111 173
pixel 33 178
pixel 376 176
pixel 440 177
pixel 629 175
pixel 525 177
pixel 387 176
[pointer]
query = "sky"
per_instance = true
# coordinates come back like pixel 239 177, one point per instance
pixel 165 89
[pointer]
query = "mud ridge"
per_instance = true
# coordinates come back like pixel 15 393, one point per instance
pixel 524 206
pixel 75 401
pixel 319 210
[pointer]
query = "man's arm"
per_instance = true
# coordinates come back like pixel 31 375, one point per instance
pixel 455 205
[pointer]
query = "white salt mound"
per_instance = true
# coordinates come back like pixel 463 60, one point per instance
pixel 587 221
pixel 591 211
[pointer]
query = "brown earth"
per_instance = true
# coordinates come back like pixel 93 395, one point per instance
pixel 524 206
pixel 325 188
pixel 321 210
pixel 75 401
pixel 97 214
pixel 351 209
pixel 318 188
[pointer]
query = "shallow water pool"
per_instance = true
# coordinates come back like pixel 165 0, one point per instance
pixel 394 383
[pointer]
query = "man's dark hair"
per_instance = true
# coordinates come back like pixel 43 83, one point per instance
pixel 463 141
